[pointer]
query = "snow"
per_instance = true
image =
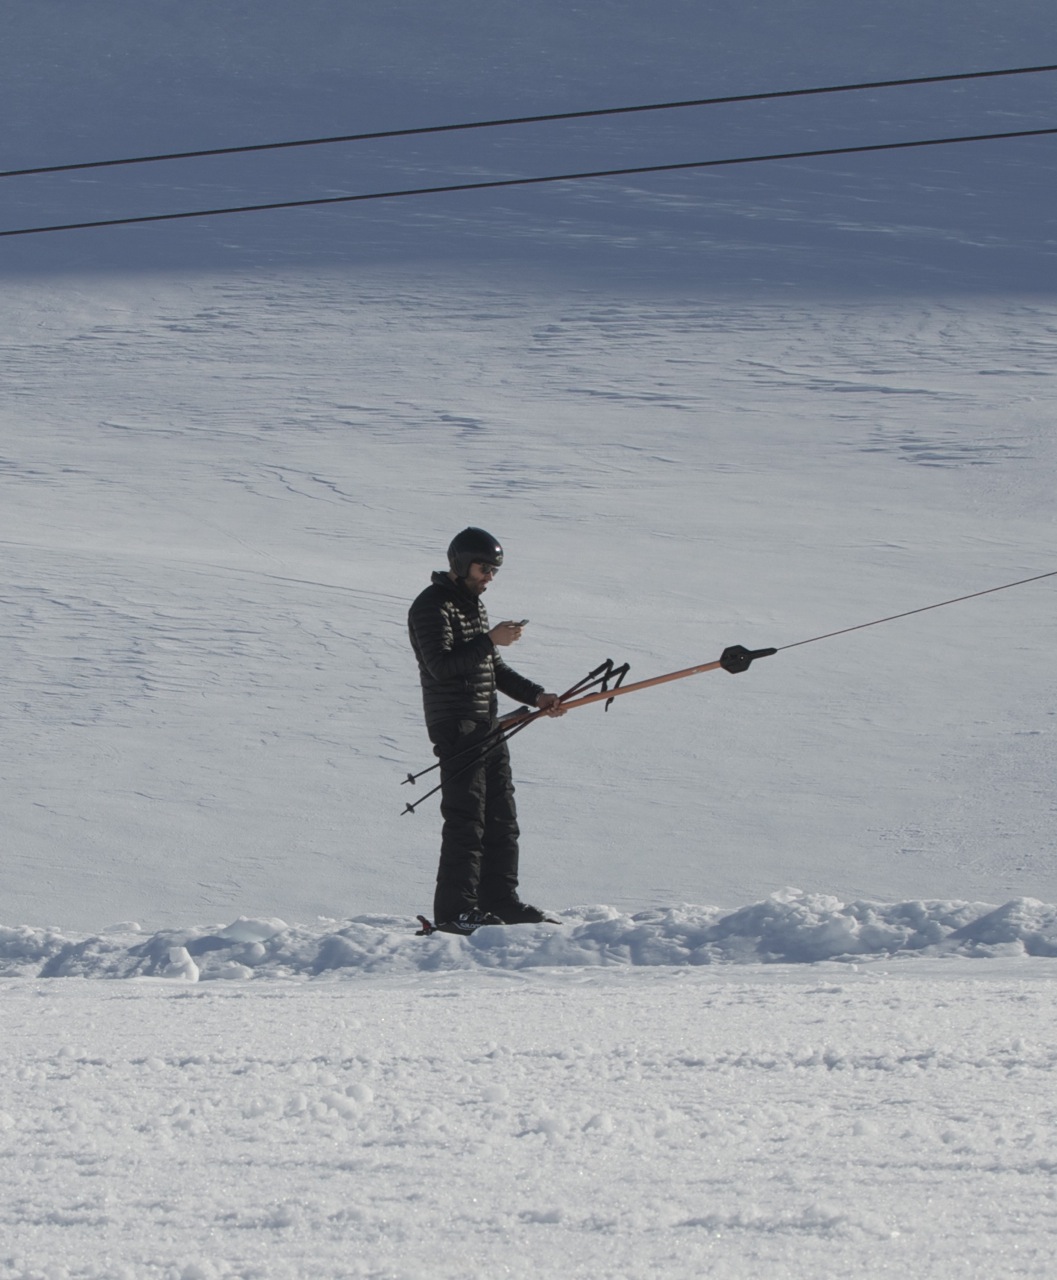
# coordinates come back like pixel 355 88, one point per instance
pixel 790 927
pixel 753 405
pixel 798 1120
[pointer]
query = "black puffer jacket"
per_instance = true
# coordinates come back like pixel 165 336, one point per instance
pixel 457 662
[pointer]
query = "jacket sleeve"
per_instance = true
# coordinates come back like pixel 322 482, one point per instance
pixel 435 643
pixel 515 686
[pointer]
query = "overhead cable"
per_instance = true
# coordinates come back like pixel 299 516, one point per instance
pixel 527 182
pixel 973 595
pixel 734 659
pixel 535 119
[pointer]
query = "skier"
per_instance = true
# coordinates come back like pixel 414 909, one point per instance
pixel 460 669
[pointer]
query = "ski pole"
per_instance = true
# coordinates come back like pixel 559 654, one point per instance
pixel 513 723
pixel 507 725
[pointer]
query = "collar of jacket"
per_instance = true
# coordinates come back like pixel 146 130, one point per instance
pixel 456 589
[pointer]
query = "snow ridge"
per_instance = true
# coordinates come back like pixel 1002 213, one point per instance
pixel 790 927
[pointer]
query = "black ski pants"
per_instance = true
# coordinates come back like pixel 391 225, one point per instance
pixel 479 841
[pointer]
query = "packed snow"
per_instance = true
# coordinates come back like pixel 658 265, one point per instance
pixel 798 1120
pixel 751 405
pixel 791 927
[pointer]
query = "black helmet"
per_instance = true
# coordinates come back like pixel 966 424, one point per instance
pixel 473 546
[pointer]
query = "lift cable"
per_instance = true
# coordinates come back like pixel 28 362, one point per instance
pixel 494 184
pixel 536 119
pixel 924 609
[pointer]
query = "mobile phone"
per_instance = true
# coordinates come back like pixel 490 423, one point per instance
pixel 523 622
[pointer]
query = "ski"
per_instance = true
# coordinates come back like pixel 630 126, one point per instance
pixel 427 927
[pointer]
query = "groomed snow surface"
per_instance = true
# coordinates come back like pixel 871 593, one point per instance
pixel 604 1097
pixel 785 1121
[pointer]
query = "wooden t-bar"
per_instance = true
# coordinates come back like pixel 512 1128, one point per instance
pixel 604 694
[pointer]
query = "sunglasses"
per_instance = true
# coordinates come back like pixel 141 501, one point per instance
pixel 488 570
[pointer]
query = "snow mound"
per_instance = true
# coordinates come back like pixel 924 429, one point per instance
pixel 788 928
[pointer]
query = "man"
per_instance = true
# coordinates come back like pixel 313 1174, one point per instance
pixel 460 668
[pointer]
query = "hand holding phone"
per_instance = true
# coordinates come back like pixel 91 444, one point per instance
pixel 504 633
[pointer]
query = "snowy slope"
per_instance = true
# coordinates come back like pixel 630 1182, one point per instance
pixel 746 405
pixel 221 496
pixel 223 486
pixel 120 79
